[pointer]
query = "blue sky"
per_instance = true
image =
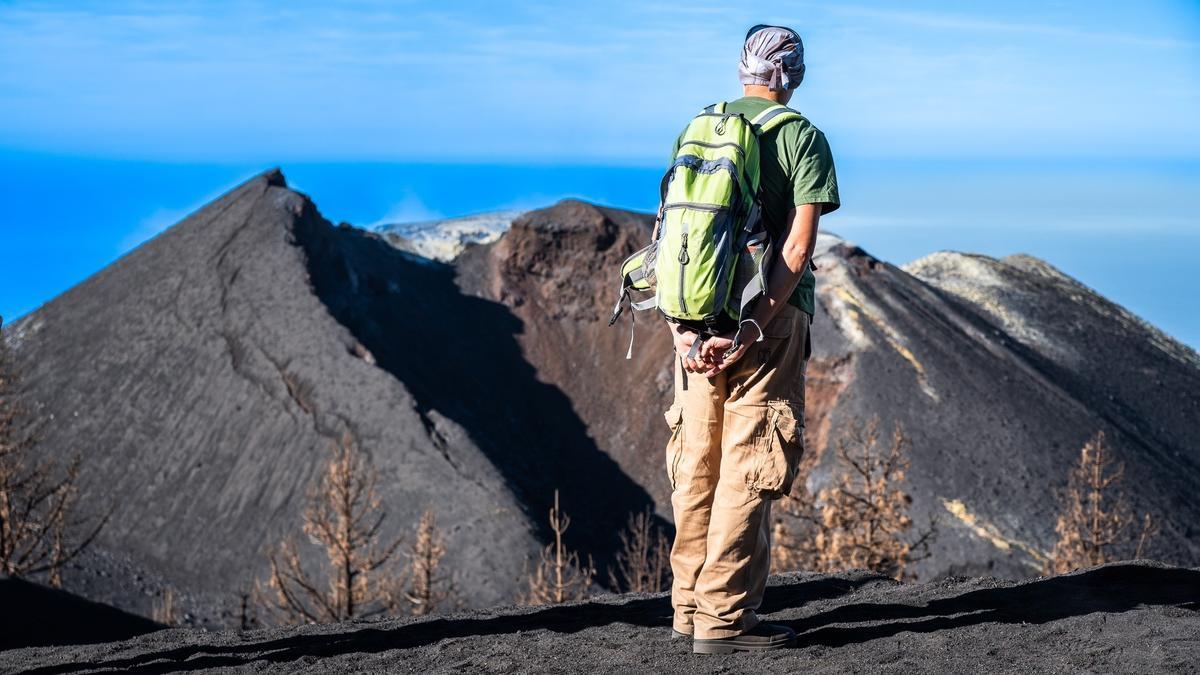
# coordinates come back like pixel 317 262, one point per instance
pixel 1068 130
pixel 586 82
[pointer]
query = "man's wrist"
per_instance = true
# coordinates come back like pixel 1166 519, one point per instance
pixel 742 336
pixel 758 329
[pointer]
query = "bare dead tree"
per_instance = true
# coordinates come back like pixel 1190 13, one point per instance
pixel 426 585
pixel 40 531
pixel 165 611
pixel 794 530
pixel 344 517
pixel 559 575
pixel 247 616
pixel 643 564
pixel 1150 529
pixel 862 520
pixel 1095 518
pixel 793 535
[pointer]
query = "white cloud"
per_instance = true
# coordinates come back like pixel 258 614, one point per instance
pixel 410 209
pixel 958 22
pixel 150 227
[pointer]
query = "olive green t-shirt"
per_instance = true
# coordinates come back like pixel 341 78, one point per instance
pixel 796 167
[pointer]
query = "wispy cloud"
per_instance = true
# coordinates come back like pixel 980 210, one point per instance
pixel 150 227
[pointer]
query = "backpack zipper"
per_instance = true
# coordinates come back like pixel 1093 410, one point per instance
pixel 704 144
pixel 696 206
pixel 683 261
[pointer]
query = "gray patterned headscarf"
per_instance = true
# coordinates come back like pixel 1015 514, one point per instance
pixel 774 56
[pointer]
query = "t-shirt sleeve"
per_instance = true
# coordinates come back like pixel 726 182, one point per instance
pixel 810 168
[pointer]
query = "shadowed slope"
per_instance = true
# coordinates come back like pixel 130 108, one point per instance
pixel 459 356
pixel 34 615
pixel 554 269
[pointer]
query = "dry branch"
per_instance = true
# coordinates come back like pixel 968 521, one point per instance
pixel 39 530
pixel 427 587
pixel 344 517
pixel 1095 518
pixel 643 564
pixel 559 575
pixel 862 520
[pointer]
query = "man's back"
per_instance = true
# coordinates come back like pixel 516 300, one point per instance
pixel 796 167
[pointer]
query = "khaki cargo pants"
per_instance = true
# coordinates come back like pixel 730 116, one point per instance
pixel 736 442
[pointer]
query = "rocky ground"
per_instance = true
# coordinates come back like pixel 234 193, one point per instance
pixel 1123 617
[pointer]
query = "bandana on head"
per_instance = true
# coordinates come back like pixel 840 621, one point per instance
pixel 773 56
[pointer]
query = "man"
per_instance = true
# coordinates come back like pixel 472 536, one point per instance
pixel 738 416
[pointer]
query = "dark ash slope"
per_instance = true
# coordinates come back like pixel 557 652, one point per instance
pixel 1118 618
pixel 996 424
pixel 205 376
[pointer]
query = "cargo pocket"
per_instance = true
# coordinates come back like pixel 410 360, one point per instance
pixel 780 449
pixel 674 416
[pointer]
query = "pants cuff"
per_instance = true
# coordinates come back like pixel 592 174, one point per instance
pixel 745 624
pixel 683 625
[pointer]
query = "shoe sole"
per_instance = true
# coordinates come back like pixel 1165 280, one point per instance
pixel 730 646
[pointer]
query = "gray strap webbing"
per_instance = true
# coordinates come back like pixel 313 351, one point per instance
pixel 617 309
pixel 762 123
pixel 764 116
pixel 701 165
pixel 752 290
pixel 754 216
pixel 632 325
pixel 639 306
pixel 757 284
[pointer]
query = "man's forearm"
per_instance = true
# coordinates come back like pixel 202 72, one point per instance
pixel 791 260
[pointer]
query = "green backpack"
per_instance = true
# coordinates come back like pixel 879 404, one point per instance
pixel 708 255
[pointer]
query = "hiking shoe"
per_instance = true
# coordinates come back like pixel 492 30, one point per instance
pixel 761 637
pixel 675 634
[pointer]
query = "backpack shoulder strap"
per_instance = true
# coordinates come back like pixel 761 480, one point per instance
pixel 773 117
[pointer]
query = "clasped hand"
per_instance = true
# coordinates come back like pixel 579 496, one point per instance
pixel 715 355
